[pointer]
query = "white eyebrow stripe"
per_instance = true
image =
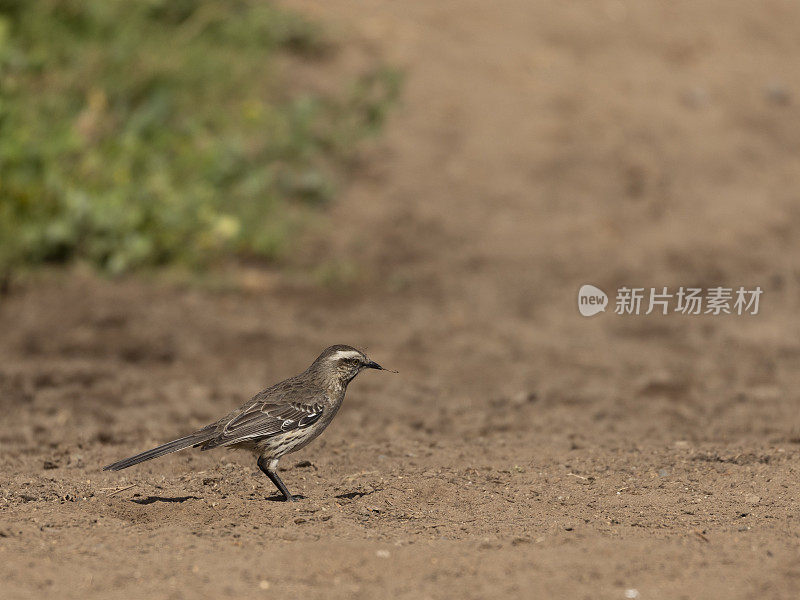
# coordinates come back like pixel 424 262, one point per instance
pixel 346 354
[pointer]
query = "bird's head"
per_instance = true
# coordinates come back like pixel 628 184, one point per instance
pixel 342 363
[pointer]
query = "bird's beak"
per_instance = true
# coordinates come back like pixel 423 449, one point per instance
pixel 371 364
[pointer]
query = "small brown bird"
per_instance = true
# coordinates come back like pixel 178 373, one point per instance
pixel 280 419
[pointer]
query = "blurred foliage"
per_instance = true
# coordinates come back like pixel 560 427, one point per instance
pixel 160 131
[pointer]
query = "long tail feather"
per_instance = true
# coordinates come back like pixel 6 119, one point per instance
pixel 173 446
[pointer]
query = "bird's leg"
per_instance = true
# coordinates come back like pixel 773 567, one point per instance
pixel 269 469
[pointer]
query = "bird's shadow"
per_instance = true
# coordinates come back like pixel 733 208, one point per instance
pixel 353 495
pixel 152 499
pixel 280 498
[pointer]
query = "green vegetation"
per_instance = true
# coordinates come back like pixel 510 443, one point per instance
pixel 160 131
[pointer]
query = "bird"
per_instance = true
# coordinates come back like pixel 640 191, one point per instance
pixel 278 420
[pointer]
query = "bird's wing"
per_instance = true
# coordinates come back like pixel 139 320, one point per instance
pixel 264 419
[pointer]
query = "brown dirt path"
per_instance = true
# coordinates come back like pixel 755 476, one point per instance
pixel 523 450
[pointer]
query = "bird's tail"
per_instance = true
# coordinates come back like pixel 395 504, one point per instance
pixel 197 437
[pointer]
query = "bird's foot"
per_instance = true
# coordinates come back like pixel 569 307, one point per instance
pixel 290 498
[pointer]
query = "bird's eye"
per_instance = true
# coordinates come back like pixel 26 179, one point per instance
pixel 351 362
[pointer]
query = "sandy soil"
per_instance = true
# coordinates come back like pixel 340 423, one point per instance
pixel 523 450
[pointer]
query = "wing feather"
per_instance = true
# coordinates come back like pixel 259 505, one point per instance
pixel 264 419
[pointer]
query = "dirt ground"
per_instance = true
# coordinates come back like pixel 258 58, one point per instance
pixel 523 450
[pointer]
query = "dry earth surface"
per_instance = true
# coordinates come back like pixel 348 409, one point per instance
pixel 523 450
